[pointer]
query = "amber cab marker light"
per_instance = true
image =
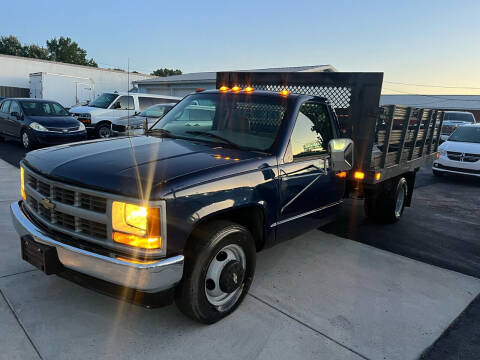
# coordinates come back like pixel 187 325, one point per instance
pixel 200 89
pixel 236 89
pixel 378 176
pixel 223 88
pixel 359 175
pixel 437 155
pixel 248 89
pixel 284 92
pixel 342 174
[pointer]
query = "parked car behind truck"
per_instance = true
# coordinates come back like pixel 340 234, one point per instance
pixel 183 210
pixel 38 123
pixel 114 108
pixel 139 123
pixel 454 119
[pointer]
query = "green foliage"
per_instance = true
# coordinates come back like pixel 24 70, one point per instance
pixel 166 72
pixel 61 50
pixel 67 51
pixel 9 45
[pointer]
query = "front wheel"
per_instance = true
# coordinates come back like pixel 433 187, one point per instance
pixel 219 269
pixel 27 140
pixel 104 131
pixel 437 173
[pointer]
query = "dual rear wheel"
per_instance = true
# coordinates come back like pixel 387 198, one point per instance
pixel 387 207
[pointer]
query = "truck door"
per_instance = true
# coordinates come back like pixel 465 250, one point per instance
pixel 308 188
pixel 122 108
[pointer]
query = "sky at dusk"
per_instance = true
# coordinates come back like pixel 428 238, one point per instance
pixel 412 42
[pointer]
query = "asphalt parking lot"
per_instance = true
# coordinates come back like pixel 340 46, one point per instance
pixel 350 290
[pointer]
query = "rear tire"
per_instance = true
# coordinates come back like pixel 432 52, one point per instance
pixel 219 269
pixel 387 207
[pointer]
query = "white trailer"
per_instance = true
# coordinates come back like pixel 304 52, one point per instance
pixel 66 89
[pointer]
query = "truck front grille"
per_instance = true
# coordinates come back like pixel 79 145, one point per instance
pixel 65 209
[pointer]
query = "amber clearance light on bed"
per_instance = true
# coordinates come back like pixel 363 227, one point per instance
pixel 135 225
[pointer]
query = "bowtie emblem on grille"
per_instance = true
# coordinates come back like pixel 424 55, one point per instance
pixel 47 204
pixel 65 130
pixel 462 157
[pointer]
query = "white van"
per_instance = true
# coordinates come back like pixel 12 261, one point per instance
pixel 113 108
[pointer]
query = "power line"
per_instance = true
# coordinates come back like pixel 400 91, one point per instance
pixel 435 86
pixel 432 96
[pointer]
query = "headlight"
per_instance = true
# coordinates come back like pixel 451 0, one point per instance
pixel 81 127
pixel 443 152
pixel 135 225
pixel 22 183
pixel 38 127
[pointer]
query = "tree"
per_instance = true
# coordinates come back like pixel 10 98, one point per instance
pixel 166 72
pixel 9 45
pixel 67 51
pixel 36 52
pixel 62 50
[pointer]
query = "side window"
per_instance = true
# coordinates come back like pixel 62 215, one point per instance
pixel 126 103
pixel 312 131
pixel 5 105
pixel 14 107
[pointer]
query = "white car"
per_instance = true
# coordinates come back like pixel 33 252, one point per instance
pixel 460 154
pixel 454 119
pixel 113 108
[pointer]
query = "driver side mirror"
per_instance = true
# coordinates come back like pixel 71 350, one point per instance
pixel 341 154
pixel 116 106
pixel 145 125
pixel 18 115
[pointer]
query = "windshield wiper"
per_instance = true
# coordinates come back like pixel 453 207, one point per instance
pixel 160 131
pixel 196 132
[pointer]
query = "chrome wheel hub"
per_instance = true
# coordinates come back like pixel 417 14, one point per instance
pixel 104 132
pixel 224 280
pixel 25 140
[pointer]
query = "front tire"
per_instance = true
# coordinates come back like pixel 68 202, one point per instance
pixel 27 140
pixel 437 173
pixel 219 269
pixel 104 131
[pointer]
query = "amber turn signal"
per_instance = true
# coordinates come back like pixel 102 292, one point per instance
pixel 138 241
pixel 359 175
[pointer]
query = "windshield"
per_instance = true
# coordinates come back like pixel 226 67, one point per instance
pixel 103 101
pixel 43 108
pixel 466 134
pixel 155 111
pixel 465 117
pixel 247 121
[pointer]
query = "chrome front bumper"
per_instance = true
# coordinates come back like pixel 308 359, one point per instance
pixel 154 277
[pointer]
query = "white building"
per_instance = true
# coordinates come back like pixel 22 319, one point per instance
pixel 15 72
pixel 181 85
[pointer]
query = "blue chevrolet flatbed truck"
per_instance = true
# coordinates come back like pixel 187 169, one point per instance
pixel 180 212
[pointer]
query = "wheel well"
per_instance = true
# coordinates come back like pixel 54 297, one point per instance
pixel 101 123
pixel 251 217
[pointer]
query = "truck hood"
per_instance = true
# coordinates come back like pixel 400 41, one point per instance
pixel 130 166
pixel 55 121
pixel 461 147
pixel 88 110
